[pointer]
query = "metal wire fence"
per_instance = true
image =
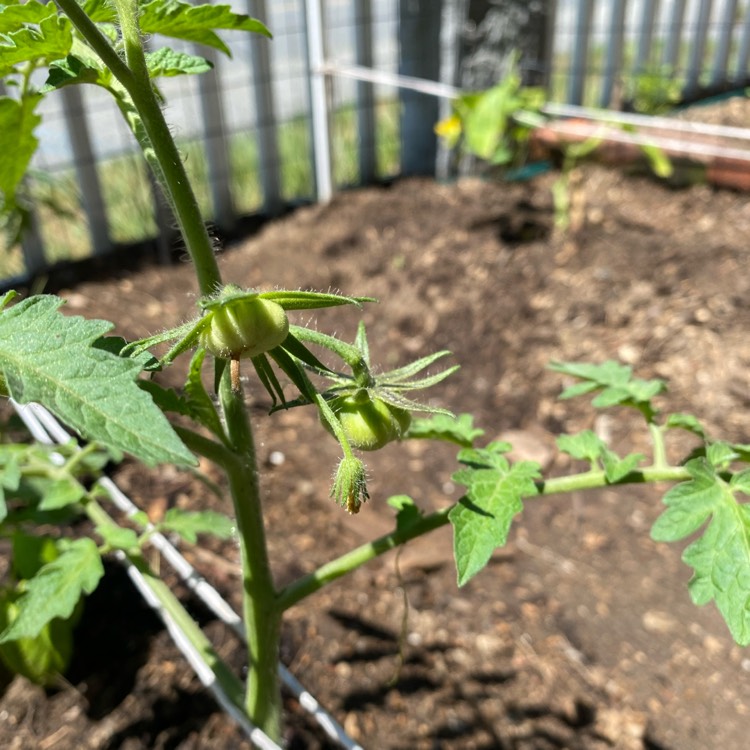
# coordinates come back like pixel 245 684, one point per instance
pixel 282 123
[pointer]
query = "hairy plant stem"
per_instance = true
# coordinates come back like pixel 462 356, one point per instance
pixel 261 615
pixel 260 610
pixel 341 566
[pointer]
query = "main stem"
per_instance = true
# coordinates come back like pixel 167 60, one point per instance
pixel 261 614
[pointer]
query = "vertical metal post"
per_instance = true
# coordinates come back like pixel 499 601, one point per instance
pixel 85 167
pixel 579 72
pixel 265 115
pixel 365 92
pixel 614 45
pixel 219 176
pixel 321 135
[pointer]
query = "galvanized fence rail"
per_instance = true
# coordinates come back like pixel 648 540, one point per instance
pixel 264 129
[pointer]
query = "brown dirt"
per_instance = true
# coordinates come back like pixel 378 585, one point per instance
pixel 580 633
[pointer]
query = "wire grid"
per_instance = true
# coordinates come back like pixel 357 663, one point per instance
pixel 45 428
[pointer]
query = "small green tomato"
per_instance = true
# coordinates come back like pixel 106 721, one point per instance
pixel 369 424
pixel 244 328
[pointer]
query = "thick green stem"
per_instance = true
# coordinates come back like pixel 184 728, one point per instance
pixel 341 566
pixel 261 613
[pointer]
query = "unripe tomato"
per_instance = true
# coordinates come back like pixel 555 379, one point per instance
pixel 244 328
pixel 369 424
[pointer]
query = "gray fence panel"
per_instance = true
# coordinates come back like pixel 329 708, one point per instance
pixel 419 56
pixel 85 167
pixel 698 48
pixel 579 61
pixel 217 156
pixel 743 56
pixel 614 46
pixel 645 35
pixel 365 92
pixel 720 66
pixel 265 112
pixel 674 35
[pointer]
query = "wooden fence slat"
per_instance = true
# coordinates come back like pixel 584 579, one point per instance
pixel 698 49
pixel 579 60
pixel 84 163
pixel 743 56
pixel 645 35
pixel 365 92
pixel 671 57
pixel 614 45
pixel 214 136
pixel 269 157
pixel 419 56
pixel 720 65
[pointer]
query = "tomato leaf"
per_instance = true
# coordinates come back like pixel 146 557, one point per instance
pixel 47 357
pixel 481 519
pixel 195 23
pixel 720 557
pixel 165 62
pixel 17 144
pixel 56 588
pixel 455 429
pixel 188 524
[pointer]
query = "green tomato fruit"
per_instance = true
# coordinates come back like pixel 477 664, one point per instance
pixel 371 423
pixel 245 328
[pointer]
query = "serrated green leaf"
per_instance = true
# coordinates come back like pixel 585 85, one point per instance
pixel 17 143
pixel 50 40
pixel 188 524
pixel 720 454
pixel 407 511
pixel 100 11
pixel 721 556
pixel 584 446
pixel 14 15
pixel 40 659
pixel 614 381
pixel 72 70
pixel 47 357
pixel 616 468
pixel 686 422
pixel 455 429
pixel 10 475
pixel 56 589
pixel 165 62
pixel 117 537
pixel 481 520
pixel 61 492
pixel 195 23
pixel 30 553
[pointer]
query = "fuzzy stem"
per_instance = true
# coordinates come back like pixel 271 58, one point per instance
pixel 261 614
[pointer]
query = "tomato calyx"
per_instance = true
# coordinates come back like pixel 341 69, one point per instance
pixel 369 423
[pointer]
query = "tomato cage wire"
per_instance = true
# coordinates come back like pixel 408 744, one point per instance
pixel 682 139
pixel 45 428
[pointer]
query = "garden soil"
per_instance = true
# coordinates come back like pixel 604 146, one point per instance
pixel 580 633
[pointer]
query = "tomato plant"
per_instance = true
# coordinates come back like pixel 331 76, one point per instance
pixel 100 386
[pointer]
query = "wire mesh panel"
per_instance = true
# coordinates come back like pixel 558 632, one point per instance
pixel 246 129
